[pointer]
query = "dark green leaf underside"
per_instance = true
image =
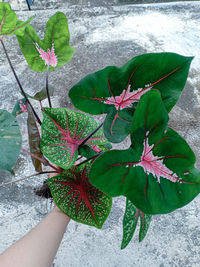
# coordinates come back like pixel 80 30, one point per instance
pixel 10 140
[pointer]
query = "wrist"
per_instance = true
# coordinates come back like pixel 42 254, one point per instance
pixel 56 210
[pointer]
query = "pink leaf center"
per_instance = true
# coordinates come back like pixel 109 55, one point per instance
pixel 49 57
pixel 95 148
pixel 154 164
pixel 127 98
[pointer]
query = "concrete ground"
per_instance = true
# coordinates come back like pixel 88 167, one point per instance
pixel 108 35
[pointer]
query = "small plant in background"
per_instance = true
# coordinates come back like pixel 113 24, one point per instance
pixel 156 173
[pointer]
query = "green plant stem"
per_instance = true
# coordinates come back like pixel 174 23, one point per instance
pixel 93 157
pixel 90 135
pixel 20 86
pixel 28 5
pixel 35 174
pixel 47 86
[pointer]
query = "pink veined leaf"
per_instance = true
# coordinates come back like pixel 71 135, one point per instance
pixel 95 148
pixel 75 196
pixel 127 98
pixel 61 144
pixel 49 57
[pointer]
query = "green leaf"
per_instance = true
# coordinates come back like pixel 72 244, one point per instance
pixel 145 220
pixel 157 172
pixel 34 140
pixel 54 50
pixel 131 217
pixel 116 91
pixel 20 107
pixel 8 21
pixel 10 140
pixel 63 130
pixel 76 197
pixel 41 95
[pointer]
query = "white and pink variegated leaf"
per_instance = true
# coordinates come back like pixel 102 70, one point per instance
pixel 63 131
pixel 157 172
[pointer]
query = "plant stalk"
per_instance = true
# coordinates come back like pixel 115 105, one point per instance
pixel 20 86
pixel 93 157
pixel 47 86
pixel 28 5
pixel 90 135
pixel 35 174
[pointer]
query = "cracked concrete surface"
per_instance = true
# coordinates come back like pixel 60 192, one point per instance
pixel 108 35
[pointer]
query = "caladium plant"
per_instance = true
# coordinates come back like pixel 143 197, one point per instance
pixel 156 173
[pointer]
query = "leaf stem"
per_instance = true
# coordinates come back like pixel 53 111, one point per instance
pixel 28 5
pixel 20 86
pixel 90 135
pixel 35 174
pixel 93 157
pixel 47 86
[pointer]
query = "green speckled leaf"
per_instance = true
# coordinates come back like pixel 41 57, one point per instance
pixel 131 217
pixel 54 50
pixel 145 220
pixel 10 140
pixel 63 130
pixel 76 197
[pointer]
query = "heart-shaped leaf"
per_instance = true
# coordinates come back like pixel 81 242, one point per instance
pixel 63 130
pixel 131 217
pixel 157 172
pixel 8 22
pixel 53 51
pixel 75 196
pixel 116 91
pixel 10 140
